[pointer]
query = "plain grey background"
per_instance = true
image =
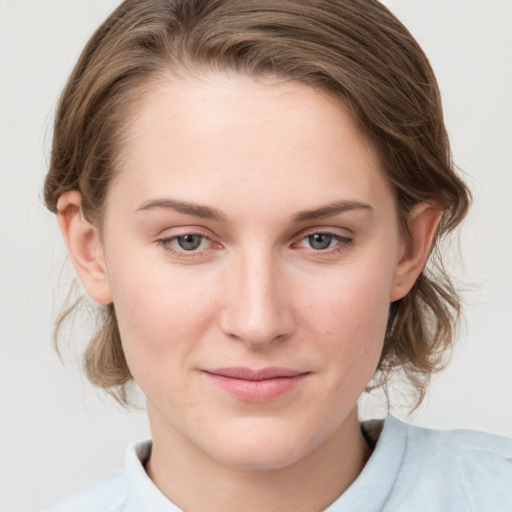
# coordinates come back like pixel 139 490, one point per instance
pixel 56 432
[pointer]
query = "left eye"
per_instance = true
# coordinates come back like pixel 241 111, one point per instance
pixel 322 241
pixel 190 242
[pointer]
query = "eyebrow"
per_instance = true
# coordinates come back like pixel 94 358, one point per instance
pixel 204 212
pixel 331 210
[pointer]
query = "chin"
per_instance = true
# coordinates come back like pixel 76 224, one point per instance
pixel 259 458
pixel 261 448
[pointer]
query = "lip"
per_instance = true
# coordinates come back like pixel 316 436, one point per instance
pixel 256 385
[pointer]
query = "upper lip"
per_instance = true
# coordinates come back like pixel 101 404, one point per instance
pixel 250 374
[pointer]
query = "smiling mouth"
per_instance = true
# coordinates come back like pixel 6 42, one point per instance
pixel 256 385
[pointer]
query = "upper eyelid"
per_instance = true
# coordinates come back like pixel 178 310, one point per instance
pixel 183 231
pixel 327 231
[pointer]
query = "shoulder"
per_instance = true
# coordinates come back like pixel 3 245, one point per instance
pixel 454 446
pixel 127 490
pixel 464 467
pixel 107 495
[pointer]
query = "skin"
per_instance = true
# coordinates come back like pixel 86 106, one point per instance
pixel 257 292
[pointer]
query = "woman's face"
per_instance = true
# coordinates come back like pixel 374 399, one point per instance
pixel 251 248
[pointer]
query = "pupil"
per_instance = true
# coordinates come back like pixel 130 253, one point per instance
pixel 320 240
pixel 189 242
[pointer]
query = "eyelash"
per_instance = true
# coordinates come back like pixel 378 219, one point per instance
pixel 343 244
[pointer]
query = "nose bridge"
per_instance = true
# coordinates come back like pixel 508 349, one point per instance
pixel 258 309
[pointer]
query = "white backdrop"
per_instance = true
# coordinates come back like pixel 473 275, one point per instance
pixel 56 432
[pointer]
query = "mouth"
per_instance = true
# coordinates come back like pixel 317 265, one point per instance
pixel 256 385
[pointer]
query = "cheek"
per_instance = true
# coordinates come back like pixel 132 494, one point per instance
pixel 351 319
pixel 162 316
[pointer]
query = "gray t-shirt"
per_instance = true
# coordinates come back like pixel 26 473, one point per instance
pixel 411 469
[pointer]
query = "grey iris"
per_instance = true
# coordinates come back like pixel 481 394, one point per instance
pixel 320 241
pixel 189 242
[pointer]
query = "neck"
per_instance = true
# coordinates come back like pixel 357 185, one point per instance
pixel 194 481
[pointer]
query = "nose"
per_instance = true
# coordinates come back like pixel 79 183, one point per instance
pixel 257 309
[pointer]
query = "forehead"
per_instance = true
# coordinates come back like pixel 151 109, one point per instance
pixel 204 138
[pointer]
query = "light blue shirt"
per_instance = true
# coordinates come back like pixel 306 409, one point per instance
pixel 412 469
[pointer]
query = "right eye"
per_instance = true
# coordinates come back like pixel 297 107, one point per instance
pixel 186 245
pixel 322 241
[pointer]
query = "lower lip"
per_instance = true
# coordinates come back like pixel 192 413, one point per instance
pixel 257 390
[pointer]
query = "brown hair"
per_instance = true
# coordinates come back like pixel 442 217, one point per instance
pixel 355 49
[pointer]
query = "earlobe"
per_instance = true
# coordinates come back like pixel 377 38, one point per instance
pixel 422 228
pixel 84 247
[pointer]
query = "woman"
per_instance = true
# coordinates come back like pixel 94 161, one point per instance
pixel 252 194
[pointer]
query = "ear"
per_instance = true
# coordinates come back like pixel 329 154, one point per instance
pixel 422 227
pixel 84 247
